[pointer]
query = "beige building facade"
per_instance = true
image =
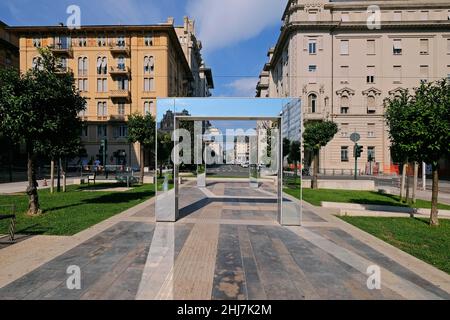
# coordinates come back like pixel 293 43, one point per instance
pixel 9 48
pixel 120 70
pixel 343 68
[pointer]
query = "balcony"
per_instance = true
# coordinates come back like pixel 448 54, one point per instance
pixel 119 94
pixel 118 118
pixel 63 70
pixel 120 70
pixel 119 47
pixel 60 49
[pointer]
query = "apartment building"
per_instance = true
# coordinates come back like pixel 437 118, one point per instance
pixel 120 70
pixel 9 48
pixel 342 69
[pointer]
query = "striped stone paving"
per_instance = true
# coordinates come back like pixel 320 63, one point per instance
pixel 229 248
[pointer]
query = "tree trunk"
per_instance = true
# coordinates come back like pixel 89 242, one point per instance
pixel 408 185
pixel 316 170
pixel 64 176
pixel 434 197
pixel 142 164
pixel 52 176
pixel 402 183
pixel 415 182
pixel 33 198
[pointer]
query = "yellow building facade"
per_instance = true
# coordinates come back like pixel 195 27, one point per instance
pixel 120 70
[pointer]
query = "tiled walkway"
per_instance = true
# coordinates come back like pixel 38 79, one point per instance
pixel 229 246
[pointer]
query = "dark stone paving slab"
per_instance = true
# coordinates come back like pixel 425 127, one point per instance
pixel 105 261
pixel 345 240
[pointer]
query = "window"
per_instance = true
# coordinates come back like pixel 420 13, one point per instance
pixel 148 40
pixel 82 66
pixel 37 63
pixel 448 46
pixel 424 74
pixel 149 84
pixel 371 130
pixel 312 73
pixel 344 130
pixel 102 65
pixel 344 74
pixel 121 41
pixel 148 107
pixel 345 104
pixel 424 15
pixel 344 154
pixel 397 74
pixel 312 103
pixel 37 42
pixel 102 131
pixel 102 109
pixel 101 41
pixel 121 109
pixel 83 85
pixel 370 154
pixel 84 130
pixel 448 72
pixel 102 85
pixel 397 16
pixel 312 46
pixel 370 47
pixel 344 47
pixel 370 74
pixel 62 42
pixel 82 42
pixel 345 17
pixel 312 15
pixel 122 83
pixel 424 46
pixel 371 104
pixel 121 63
pixel 149 65
pixel 121 131
pixel 397 48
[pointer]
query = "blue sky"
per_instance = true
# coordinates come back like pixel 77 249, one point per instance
pixel 236 34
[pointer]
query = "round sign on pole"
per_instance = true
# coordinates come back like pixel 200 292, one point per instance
pixel 355 137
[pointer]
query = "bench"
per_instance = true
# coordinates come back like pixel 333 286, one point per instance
pixel 12 225
pixel 129 180
pixel 92 177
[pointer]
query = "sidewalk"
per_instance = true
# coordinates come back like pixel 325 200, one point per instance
pixel 443 198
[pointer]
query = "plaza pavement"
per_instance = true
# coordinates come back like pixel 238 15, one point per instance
pixel 227 245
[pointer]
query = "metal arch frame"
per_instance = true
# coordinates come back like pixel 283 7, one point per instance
pixel 278 119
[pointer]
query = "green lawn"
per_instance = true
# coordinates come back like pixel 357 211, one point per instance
pixel 413 236
pixel 315 197
pixel 71 212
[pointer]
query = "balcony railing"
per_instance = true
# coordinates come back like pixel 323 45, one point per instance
pixel 125 94
pixel 120 70
pixel 64 49
pixel 119 47
pixel 118 117
pixel 62 70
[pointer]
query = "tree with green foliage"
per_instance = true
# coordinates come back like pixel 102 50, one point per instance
pixel 295 155
pixel 142 129
pixel 420 129
pixel 165 146
pixel 286 148
pixel 40 109
pixel 318 134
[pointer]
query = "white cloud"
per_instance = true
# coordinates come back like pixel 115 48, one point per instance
pixel 223 23
pixel 245 87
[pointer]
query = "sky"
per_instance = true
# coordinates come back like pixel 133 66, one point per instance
pixel 236 34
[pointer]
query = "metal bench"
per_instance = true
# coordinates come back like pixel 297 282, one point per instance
pixel 12 225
